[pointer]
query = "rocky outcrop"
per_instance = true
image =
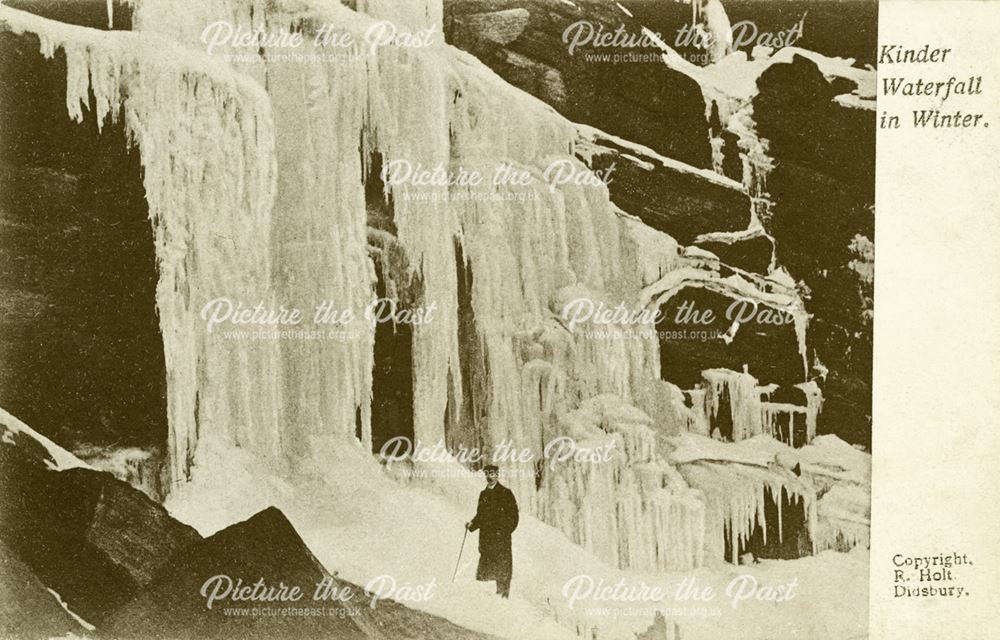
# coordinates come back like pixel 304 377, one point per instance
pixel 86 535
pixel 823 187
pixel 751 251
pixel 765 342
pixel 265 547
pixel 27 608
pixel 80 342
pixel 123 565
pixel 667 195
pixel 522 40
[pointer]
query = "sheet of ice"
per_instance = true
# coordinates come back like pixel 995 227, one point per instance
pixel 525 254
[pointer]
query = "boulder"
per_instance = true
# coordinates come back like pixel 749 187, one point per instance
pixel 27 608
pixel 748 251
pixel 265 547
pixel 84 534
pixel 689 343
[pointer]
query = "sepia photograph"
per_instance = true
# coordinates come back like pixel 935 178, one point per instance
pixel 439 319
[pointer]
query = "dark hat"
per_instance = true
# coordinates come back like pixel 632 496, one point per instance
pixel 491 467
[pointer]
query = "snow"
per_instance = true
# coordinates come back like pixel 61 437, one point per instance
pixel 61 459
pixel 62 603
pixel 352 513
pixel 835 482
pixel 592 134
pixel 732 237
pixel 827 455
pixel 286 223
pixel 853 101
pixel 830 456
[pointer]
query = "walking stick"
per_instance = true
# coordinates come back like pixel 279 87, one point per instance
pixel 460 550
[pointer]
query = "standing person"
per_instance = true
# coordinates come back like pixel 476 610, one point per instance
pixel 496 518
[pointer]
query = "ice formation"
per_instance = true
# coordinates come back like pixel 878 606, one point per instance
pixel 735 501
pixel 656 520
pixel 205 137
pixel 263 194
pixel 831 477
pixel 141 468
pixel 525 254
pixel 713 16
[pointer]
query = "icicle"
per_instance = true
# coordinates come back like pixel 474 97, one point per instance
pixel 814 404
pixel 744 400
pixel 526 255
pixel 718 28
pixel 736 495
pixel 718 156
pixel 656 523
pixel 779 500
pixel 416 14
pixel 205 138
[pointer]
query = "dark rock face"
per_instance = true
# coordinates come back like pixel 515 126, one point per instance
pixel 265 546
pixel 687 347
pixel 732 164
pixel 823 188
pixel 751 253
pixel 79 337
pixel 644 101
pixel 681 203
pixel 93 539
pixel 122 564
pixel 27 609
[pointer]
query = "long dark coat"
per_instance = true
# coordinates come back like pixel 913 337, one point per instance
pixel 496 518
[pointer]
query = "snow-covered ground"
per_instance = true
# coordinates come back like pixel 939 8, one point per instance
pixel 362 524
